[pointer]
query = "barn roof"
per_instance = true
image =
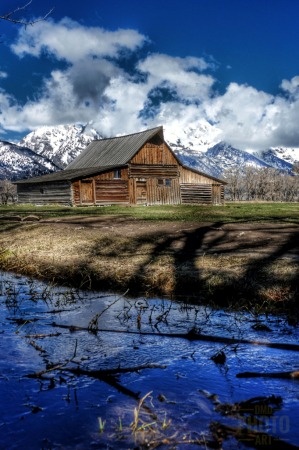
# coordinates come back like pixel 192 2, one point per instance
pixel 111 151
pixel 68 175
pixel 107 154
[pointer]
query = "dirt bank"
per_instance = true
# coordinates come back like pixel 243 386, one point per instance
pixel 224 263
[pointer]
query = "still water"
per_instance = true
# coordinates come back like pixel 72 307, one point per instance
pixel 64 410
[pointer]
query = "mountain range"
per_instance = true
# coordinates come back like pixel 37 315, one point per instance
pixel 49 149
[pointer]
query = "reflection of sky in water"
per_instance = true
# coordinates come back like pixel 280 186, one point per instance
pixel 71 409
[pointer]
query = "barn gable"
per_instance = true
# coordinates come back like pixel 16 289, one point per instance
pixel 113 151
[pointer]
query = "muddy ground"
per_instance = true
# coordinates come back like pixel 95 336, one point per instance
pixel 276 240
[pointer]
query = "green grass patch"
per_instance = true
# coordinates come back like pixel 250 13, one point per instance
pixel 232 212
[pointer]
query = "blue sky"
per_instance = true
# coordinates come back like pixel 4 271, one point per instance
pixel 227 68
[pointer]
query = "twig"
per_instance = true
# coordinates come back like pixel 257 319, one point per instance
pixel 94 321
pixel 163 316
pixel 7 16
pixel 56 311
pixel 292 375
pixel 37 347
pixel 42 335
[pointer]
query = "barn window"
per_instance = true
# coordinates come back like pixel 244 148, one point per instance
pixel 41 191
pixel 168 182
pixel 160 182
pixel 117 173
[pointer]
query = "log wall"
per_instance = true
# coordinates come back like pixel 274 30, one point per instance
pixel 194 194
pixel 106 190
pixel 59 192
pixel 111 192
pixel 153 171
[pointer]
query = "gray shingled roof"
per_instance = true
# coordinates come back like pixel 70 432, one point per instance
pixel 68 175
pixel 117 150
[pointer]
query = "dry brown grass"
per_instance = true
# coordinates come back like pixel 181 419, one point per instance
pixel 104 260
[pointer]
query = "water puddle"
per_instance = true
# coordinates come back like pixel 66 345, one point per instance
pixel 67 410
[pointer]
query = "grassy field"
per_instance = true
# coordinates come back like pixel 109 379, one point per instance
pixel 232 212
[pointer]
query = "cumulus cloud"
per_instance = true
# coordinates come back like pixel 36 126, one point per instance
pixel 179 93
pixel 68 40
pixel 252 119
pixel 3 74
pixel 178 74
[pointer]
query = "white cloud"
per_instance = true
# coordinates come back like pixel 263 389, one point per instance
pixel 3 74
pixel 94 89
pixel 70 41
pixel 178 74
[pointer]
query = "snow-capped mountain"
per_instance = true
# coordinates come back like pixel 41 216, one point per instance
pixel 52 148
pixel 270 157
pixel 198 148
pixel 200 161
pixel 222 156
pixel 226 156
pixel 218 158
pixel 291 155
pixel 20 162
pixel 198 138
pixel 59 144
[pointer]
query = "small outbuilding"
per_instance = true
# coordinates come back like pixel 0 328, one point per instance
pixel 135 169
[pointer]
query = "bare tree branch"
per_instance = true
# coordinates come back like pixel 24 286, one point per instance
pixel 7 190
pixel 23 22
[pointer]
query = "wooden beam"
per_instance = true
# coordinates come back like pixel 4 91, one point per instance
pixel 80 194
pixel 94 191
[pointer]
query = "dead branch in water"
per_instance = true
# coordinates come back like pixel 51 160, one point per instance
pixel 292 375
pixel 190 336
pixel 104 376
pixel 101 375
pixel 39 374
pixel 101 372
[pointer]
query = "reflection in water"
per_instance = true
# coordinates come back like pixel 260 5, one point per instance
pixel 64 410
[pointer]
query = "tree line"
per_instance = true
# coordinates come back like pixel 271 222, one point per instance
pixel 261 184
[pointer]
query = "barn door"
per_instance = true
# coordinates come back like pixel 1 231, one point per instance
pixel 141 192
pixel 86 191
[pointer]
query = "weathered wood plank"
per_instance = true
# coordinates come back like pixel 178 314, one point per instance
pixel 45 193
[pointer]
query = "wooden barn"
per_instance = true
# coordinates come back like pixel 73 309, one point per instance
pixel 137 169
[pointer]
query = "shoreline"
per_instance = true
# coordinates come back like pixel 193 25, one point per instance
pixel 158 260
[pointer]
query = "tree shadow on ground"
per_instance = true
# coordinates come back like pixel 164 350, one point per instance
pixel 254 282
